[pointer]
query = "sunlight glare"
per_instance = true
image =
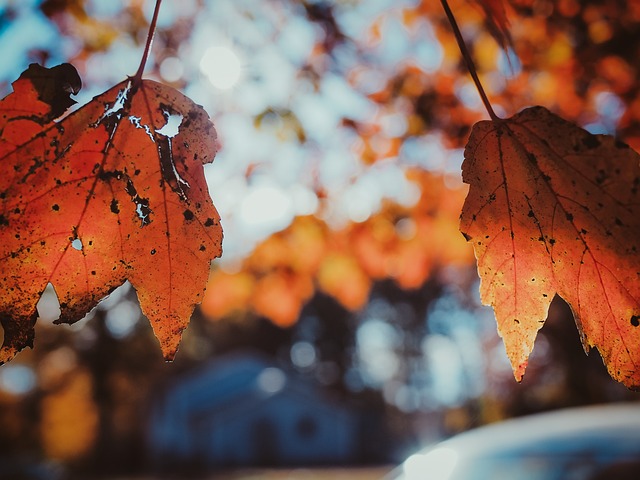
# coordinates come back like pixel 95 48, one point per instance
pixel 222 67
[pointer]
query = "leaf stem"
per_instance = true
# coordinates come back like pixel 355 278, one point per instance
pixel 145 55
pixel 468 60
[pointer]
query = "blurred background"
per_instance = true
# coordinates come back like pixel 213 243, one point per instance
pixel 342 326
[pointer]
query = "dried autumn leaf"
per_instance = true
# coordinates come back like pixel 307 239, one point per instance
pixel 497 21
pixel 105 195
pixel 553 209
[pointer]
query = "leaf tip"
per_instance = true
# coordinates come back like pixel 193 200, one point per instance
pixel 169 342
pixel 518 371
pixel 169 356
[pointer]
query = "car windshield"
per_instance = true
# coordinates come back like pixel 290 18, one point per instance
pixel 568 458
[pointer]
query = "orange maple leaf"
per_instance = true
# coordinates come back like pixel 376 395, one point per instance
pixel 554 209
pixel 105 195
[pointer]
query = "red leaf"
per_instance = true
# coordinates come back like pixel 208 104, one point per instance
pixel 107 194
pixel 553 209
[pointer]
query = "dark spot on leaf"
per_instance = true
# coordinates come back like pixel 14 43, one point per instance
pixel 54 86
pixel 209 222
pixel 466 236
pixel 114 206
pixel 531 214
pixel 64 305
pixel 202 248
pixel 635 320
pixel 516 321
pixel 55 207
pixel 570 217
pixel 3 220
pixel 93 272
pixel 130 188
pixel 591 141
pixel 188 215
pixel 153 251
pixel 532 158
pixel 552 241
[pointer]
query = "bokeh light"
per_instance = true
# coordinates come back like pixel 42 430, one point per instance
pixel 222 67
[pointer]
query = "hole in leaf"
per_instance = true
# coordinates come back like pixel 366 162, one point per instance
pixel 48 306
pixel 118 105
pixel 136 122
pixel 77 244
pixel 143 210
pixel 172 127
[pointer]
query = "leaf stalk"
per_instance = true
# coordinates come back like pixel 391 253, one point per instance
pixel 468 60
pixel 147 48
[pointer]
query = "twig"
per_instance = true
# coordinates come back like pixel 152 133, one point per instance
pixel 145 55
pixel 468 60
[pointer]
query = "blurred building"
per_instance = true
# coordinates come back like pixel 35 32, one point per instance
pixel 241 410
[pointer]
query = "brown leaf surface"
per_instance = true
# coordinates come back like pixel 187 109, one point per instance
pixel 105 195
pixel 553 209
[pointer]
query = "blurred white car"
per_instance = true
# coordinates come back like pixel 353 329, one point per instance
pixel 589 443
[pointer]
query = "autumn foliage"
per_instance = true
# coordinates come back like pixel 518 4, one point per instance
pixel 553 209
pixel 103 196
pixel 111 193
pixel 406 244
